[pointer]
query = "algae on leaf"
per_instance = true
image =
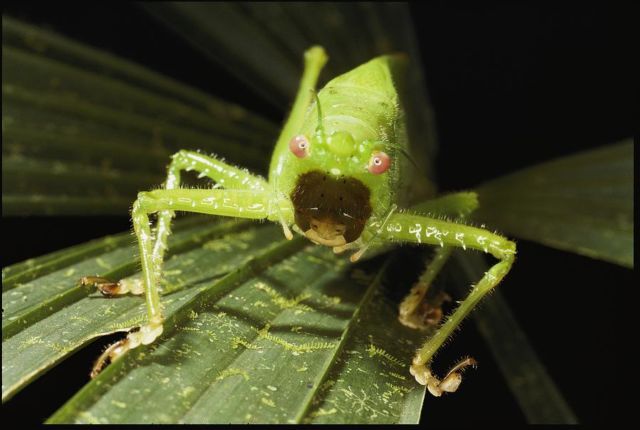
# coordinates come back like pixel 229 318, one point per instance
pixel 291 332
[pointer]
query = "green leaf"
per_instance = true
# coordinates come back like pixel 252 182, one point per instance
pixel 84 131
pixel 280 332
pixel 113 144
pixel 582 203
pixel 27 303
pixel 50 45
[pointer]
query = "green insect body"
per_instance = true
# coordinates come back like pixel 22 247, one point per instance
pixel 356 117
pixel 338 174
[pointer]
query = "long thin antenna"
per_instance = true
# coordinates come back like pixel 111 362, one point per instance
pixel 320 128
pixel 404 152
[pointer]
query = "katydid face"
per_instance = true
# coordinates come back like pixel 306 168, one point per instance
pixel 332 192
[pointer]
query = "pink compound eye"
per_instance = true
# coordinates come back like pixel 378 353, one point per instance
pixel 299 145
pixel 379 163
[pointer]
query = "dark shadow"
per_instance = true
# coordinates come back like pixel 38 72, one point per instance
pixel 56 386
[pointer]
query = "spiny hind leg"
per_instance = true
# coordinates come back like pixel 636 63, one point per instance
pixel 421 229
pixel 422 307
pixel 232 203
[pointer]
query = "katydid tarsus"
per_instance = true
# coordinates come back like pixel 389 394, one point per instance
pixel 338 175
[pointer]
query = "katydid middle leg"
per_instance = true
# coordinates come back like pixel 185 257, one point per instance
pixel 424 230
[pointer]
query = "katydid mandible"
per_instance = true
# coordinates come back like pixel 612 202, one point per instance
pixel 338 174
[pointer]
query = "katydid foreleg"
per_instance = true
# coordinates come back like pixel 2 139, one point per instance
pixel 420 309
pixel 424 230
pixel 251 204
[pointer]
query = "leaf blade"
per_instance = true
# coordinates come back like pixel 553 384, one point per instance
pixel 60 96
pixel 72 330
pixel 300 320
pixel 581 203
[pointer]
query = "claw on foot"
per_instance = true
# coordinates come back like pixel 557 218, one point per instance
pixel 358 255
pixel 109 288
pixel 136 337
pixel 109 356
pixel 341 249
pixel 414 312
pixel 448 384
pixel 285 229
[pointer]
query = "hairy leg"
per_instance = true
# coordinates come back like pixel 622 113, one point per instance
pixel 225 175
pixel 232 177
pixel 421 309
pixel 425 230
pixel 253 196
pixel 249 204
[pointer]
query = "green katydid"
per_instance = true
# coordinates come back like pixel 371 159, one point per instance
pixel 337 176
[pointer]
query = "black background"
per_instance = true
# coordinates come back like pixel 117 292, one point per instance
pixel 512 85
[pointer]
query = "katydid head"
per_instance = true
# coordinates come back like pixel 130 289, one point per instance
pixel 339 175
pixel 341 167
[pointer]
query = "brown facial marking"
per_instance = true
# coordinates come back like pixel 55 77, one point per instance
pixel 330 205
